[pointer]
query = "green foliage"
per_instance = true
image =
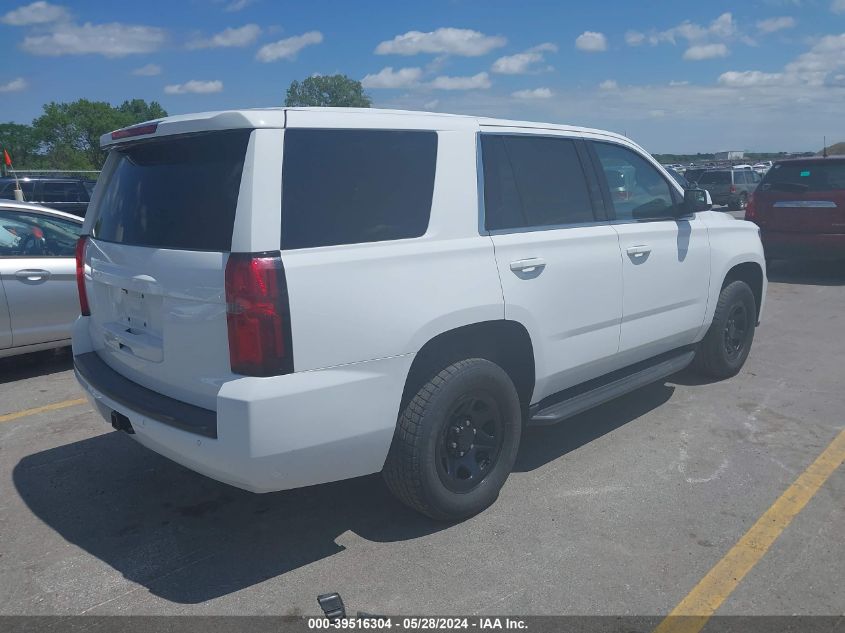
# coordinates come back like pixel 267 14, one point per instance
pixel 67 135
pixel 836 149
pixel 337 91
pixel 19 140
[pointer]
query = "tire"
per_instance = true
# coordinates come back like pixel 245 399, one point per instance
pixel 743 201
pixel 735 204
pixel 467 419
pixel 725 347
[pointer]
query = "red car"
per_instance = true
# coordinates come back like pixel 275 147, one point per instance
pixel 800 209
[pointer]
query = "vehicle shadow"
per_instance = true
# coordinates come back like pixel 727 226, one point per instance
pixel 189 539
pixel 36 364
pixel 543 444
pixel 807 272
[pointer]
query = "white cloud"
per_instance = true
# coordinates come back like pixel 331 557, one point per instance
pixel 608 84
pixel 150 70
pixel 289 47
pixel 675 84
pixel 16 85
pixel 229 38
pixel 389 78
pixel 837 6
pixel 111 40
pixel 475 82
pixel 444 41
pixel 723 28
pixel 537 93
pixel 705 51
pixel 816 68
pixel 524 62
pixel 431 105
pixel 237 5
pixel 771 25
pixel 634 38
pixel 194 86
pixel 35 13
pixel 750 78
pixel 591 42
pixel 826 56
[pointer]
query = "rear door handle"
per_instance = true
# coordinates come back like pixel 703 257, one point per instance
pixel 638 251
pixel 33 275
pixel 528 265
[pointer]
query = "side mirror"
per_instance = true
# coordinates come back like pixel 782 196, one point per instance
pixel 697 200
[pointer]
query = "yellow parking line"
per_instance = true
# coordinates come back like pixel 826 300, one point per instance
pixel 707 596
pixel 8 417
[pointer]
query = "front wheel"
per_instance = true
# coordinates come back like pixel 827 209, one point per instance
pixel 456 441
pixel 725 347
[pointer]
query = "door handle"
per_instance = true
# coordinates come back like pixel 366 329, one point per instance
pixel 638 251
pixel 528 265
pixel 33 275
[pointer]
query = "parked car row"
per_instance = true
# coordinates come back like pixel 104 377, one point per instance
pixel 70 195
pixel 38 293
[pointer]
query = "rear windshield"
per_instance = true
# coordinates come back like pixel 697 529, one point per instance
pixel 178 193
pixel 715 178
pixel 355 186
pixel 806 176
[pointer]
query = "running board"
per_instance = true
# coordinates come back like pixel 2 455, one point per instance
pixel 559 411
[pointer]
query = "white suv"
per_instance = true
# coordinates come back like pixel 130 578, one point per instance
pixel 284 297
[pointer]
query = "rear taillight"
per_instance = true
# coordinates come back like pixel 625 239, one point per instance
pixel 733 188
pixel 81 244
pixel 751 209
pixel 258 315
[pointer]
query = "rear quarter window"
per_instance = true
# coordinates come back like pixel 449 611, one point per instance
pixel 177 192
pixel 356 186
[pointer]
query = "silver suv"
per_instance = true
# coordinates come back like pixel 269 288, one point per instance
pixel 731 187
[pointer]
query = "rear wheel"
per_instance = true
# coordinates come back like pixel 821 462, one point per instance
pixel 456 441
pixel 738 203
pixel 723 351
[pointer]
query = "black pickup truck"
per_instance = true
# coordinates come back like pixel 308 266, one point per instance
pixel 70 195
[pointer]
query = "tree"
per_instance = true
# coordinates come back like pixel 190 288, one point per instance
pixel 337 91
pixel 139 110
pixel 20 141
pixel 69 133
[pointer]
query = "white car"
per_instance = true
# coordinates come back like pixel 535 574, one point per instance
pixel 285 297
pixel 38 295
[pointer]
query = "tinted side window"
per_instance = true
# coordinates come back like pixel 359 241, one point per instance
pixel 34 235
pixel 354 186
pixel 62 192
pixel 715 178
pixel 533 181
pixel 740 178
pixel 637 189
pixel 8 192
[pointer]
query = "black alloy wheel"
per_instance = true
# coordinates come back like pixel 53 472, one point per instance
pixel 470 442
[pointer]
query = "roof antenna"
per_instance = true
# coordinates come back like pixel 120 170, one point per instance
pixel 824 149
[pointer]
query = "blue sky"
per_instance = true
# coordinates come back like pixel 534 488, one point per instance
pixel 760 75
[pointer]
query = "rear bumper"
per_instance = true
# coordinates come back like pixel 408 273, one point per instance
pixel 822 246
pixel 272 433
